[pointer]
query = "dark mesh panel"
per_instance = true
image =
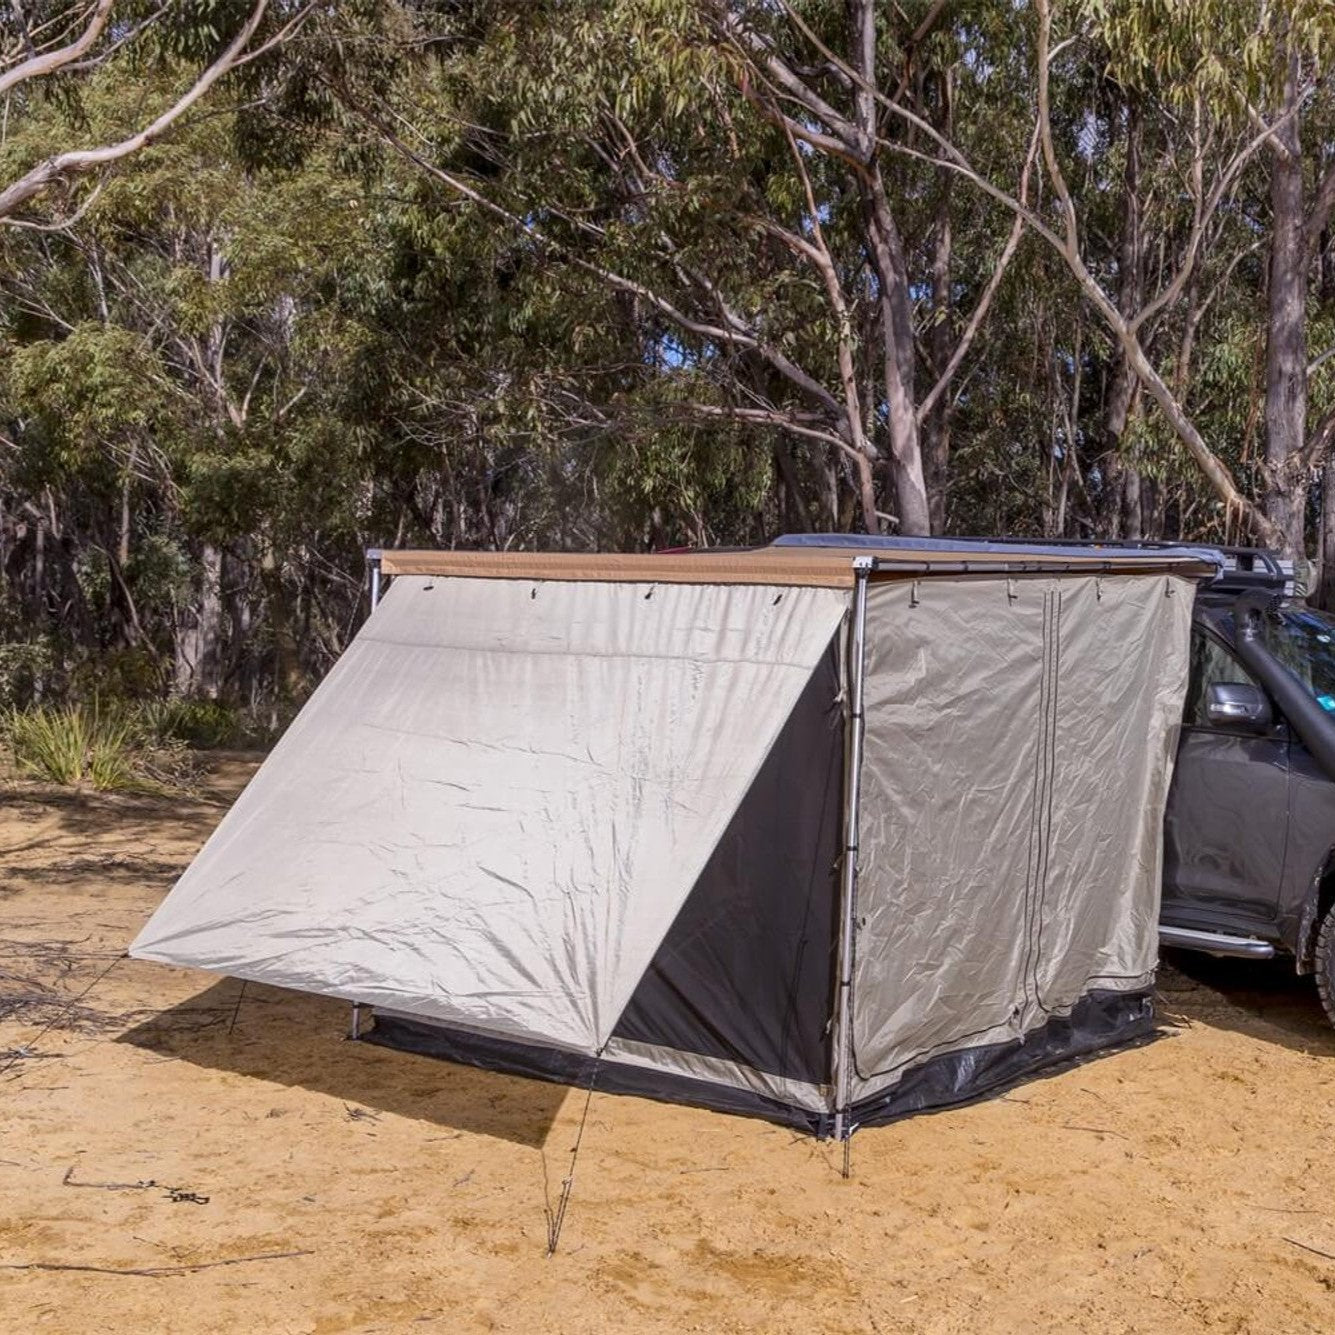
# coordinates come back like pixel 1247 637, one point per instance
pixel 746 972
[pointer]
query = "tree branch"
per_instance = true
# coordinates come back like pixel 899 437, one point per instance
pixel 985 301
pixel 1322 206
pixel 53 169
pixel 1123 329
pixel 42 63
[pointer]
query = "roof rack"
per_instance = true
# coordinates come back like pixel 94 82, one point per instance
pixel 1240 568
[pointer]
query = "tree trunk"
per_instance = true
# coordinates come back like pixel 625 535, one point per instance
pixel 936 427
pixel 795 508
pixel 1286 344
pixel 906 468
pixel 896 302
pixel 1120 515
pixel 1326 592
pixel 198 663
pixel 287 665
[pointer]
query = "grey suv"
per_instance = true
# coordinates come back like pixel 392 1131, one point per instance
pixel 1249 849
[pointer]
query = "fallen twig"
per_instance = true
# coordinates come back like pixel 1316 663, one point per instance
pixel 145 1185
pixel 67 1010
pixel 176 1194
pixel 151 1271
pixel 1307 1247
pixel 1093 1130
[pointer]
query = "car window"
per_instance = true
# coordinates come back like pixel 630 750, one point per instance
pixel 1210 663
pixel 1304 641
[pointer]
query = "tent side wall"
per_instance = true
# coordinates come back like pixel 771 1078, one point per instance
pixel 733 1010
pixel 493 808
pixel 1019 744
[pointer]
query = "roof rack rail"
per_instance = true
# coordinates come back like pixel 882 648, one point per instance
pixel 1240 568
pixel 1243 567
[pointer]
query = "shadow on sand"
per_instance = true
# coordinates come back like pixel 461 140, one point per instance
pixel 294 1039
pixel 1264 999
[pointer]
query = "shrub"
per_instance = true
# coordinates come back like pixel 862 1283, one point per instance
pixel 50 744
pixel 26 667
pixel 107 749
pixel 203 724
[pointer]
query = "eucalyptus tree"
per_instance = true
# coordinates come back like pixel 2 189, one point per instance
pixel 736 199
pixel 175 359
pixel 48 49
pixel 1253 81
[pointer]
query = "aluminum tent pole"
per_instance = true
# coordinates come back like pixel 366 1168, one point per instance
pixel 373 562
pixel 373 565
pixel 843 1036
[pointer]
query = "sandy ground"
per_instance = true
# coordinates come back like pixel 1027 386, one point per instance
pixel 1186 1185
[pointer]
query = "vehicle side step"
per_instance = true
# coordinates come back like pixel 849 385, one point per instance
pixel 1216 943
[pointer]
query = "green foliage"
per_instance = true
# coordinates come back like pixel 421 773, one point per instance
pixel 24 667
pixel 203 725
pixel 272 340
pixel 108 749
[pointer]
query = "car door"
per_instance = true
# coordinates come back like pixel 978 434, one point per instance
pixel 1227 816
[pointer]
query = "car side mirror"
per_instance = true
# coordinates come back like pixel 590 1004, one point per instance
pixel 1236 704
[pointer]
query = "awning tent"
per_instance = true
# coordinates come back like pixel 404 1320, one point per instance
pixel 586 818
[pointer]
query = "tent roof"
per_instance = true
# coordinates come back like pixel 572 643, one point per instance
pixel 793 566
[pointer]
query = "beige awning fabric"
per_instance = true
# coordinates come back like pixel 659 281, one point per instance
pixel 496 803
pixel 1019 746
pixel 785 566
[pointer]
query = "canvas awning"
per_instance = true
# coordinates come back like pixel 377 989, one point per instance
pixel 590 817
pixel 496 803
pixel 788 566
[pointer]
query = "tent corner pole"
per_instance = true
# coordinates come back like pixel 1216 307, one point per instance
pixel 848 881
pixel 373 566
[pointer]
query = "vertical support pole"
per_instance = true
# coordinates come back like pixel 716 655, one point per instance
pixel 373 563
pixel 843 1033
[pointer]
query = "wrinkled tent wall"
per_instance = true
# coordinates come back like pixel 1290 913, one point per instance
pixel 1019 744
pixel 733 1010
pixel 579 817
pixel 493 808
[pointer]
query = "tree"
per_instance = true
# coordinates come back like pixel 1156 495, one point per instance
pixel 66 41
pixel 682 168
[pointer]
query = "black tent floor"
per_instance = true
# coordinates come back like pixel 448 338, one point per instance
pixel 1100 1022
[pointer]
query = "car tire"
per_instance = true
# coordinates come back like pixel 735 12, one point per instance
pixel 1323 964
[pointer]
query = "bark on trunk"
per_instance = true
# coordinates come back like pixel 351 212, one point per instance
pixel 896 305
pixel 1286 345
pixel 1326 592
pixel 936 427
pixel 906 468
pixel 198 665
pixel 1120 515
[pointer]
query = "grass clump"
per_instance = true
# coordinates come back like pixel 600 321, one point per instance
pixel 204 725
pixel 111 750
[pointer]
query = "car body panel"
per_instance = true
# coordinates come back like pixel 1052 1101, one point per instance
pixel 1222 779
pixel 1250 824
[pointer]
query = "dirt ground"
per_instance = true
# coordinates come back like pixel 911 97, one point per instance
pixel 170 1121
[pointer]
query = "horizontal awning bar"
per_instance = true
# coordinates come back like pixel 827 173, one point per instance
pixel 795 567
